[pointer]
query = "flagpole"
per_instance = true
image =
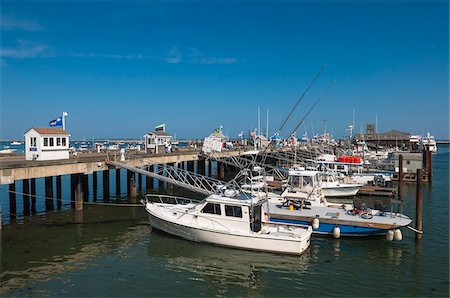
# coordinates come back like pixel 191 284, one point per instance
pixel 64 114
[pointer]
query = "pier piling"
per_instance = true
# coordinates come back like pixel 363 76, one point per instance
pixel 85 185
pixel 132 185
pixel 12 200
pixel 430 165
pixel 118 182
pixel 419 204
pixel 26 196
pixel 94 185
pixel 78 193
pixel 33 195
pixel 106 185
pixel 140 182
pixel 49 193
pixel 149 180
pixel 400 176
pixel 221 170
pixel 58 192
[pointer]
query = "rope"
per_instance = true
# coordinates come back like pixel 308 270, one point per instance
pixel 414 230
pixel 72 201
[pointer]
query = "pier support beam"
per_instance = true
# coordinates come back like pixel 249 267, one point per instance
pixel 149 180
pixel 12 201
pixel 132 185
pixel 78 193
pixel 58 192
pixel 26 196
pixel 400 176
pixel 140 182
pixel 73 185
pixel 190 166
pixel 221 169
pixel 430 166
pixel 33 195
pixel 106 185
pixel 419 204
pixel 49 193
pixel 94 185
pixel 85 185
pixel 118 182
pixel 207 167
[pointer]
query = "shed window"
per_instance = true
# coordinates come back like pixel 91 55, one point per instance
pixel 52 142
pixel 58 141
pixel 212 209
pixel 235 211
pixel 32 141
pixel 45 142
pixel 63 141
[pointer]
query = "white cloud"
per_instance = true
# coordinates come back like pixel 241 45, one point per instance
pixel 26 49
pixel 198 57
pixel 9 23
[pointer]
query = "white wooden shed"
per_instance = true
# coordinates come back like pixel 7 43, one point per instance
pixel 46 144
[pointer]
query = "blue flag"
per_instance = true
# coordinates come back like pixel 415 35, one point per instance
pixel 56 122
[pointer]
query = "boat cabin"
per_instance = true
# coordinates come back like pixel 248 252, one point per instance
pixel 235 214
pixel 304 185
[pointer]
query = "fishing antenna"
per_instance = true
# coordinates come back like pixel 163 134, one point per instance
pixel 317 101
pixel 301 97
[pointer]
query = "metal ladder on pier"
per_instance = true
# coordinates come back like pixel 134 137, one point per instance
pixel 179 177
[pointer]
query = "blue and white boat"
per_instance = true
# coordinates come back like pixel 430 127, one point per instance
pixel 303 202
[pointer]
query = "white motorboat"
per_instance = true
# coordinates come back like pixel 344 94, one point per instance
pixel 228 218
pixel 332 187
pixel 429 143
pixel 15 143
pixel 303 202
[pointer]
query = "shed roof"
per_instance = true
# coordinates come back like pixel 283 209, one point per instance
pixel 159 133
pixel 49 131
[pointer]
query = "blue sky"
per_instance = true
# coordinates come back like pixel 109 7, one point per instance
pixel 121 68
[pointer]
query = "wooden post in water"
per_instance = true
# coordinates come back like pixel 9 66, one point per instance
pixel 73 186
pixel 85 185
pixel 221 170
pixel 94 185
pixel 419 203
pixel 140 182
pixel 400 176
pixel 12 201
pixel 132 185
pixel 49 193
pixel 33 195
pixel 26 196
pixel 149 180
pixel 118 182
pixel 207 167
pixel 163 172
pixel 58 192
pixel 430 166
pixel 106 185
pixel 78 193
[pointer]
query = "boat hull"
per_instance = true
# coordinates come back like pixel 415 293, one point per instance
pixel 341 191
pixel 249 242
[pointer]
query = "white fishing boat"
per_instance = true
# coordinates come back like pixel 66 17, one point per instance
pixel 332 187
pixel 429 143
pixel 303 202
pixel 15 143
pixel 228 218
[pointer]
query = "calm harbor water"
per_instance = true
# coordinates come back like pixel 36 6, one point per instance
pixel 112 251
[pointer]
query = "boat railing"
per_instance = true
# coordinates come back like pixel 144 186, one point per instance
pixel 166 199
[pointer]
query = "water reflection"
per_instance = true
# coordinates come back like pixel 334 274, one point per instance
pixel 46 247
pixel 221 265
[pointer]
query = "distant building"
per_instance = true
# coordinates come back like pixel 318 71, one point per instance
pixel 392 138
pixel 157 142
pixel 46 144
pixel 214 142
